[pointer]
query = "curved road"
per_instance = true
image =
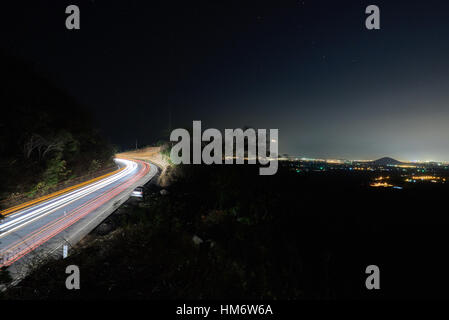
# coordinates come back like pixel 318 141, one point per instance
pixel 66 219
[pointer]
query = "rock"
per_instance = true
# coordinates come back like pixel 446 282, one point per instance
pixel 197 240
pixel 104 229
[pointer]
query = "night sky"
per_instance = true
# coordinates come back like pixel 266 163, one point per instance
pixel 309 68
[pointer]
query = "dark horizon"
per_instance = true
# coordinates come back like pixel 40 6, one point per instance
pixel 310 69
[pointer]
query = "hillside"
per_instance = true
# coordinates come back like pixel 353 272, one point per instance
pixel 385 161
pixel 45 135
pixel 224 232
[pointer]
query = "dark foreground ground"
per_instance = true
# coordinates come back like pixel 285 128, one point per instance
pixel 288 236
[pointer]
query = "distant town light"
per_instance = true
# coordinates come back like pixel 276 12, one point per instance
pixel 381 184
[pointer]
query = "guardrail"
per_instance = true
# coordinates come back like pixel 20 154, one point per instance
pixel 12 205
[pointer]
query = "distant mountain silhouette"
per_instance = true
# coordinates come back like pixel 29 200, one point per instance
pixel 386 161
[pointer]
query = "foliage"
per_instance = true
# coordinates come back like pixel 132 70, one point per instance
pixel 288 236
pixel 251 249
pixel 45 136
pixel 5 277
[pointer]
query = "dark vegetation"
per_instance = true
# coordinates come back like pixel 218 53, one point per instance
pixel 45 136
pixel 288 236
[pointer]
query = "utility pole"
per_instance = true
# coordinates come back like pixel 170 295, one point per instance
pixel 136 144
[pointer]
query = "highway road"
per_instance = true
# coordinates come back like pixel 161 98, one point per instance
pixel 46 227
